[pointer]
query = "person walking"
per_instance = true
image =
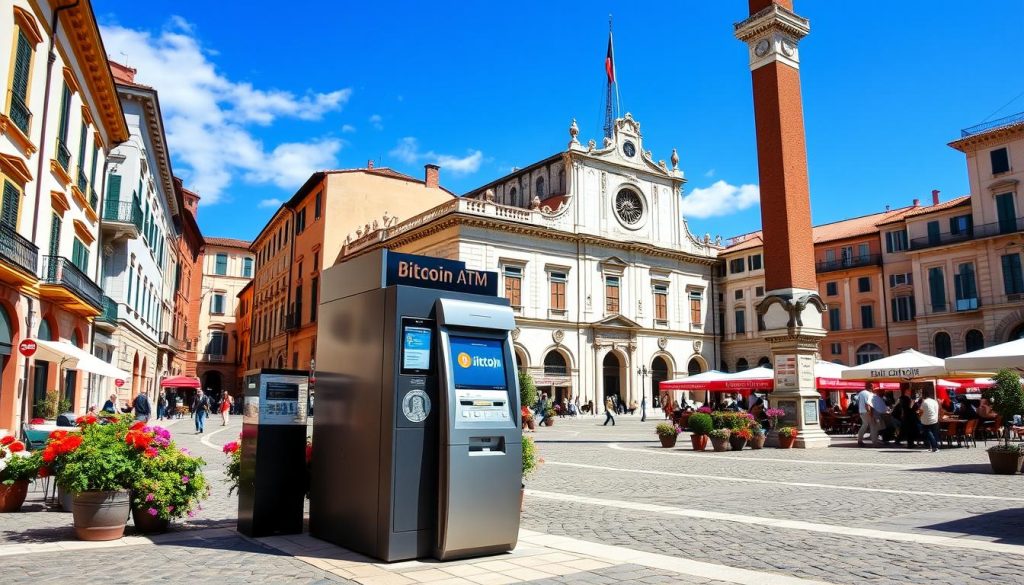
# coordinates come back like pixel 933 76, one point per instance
pixel 201 408
pixel 863 403
pixel 143 409
pixel 161 406
pixel 225 408
pixel 643 409
pixel 877 409
pixel 609 407
pixel 929 415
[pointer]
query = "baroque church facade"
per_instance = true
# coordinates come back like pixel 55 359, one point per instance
pixel 611 291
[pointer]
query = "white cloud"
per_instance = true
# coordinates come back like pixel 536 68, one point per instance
pixel 348 129
pixel 710 173
pixel 269 203
pixel 408 151
pixel 208 116
pixel 720 198
pixel 376 120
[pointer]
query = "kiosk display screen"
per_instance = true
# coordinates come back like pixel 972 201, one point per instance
pixel 416 338
pixel 478 364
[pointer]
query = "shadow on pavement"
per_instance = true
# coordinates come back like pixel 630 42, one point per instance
pixel 982 468
pixel 1001 526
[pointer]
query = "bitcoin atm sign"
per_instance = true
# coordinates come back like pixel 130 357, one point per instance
pixel 438 273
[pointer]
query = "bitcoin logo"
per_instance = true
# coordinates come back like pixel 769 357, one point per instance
pixel 464 360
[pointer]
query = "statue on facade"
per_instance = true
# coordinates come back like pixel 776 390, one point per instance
pixel 574 131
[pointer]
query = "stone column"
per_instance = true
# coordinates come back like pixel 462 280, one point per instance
pixel 791 311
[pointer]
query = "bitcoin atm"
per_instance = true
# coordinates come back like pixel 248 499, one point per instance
pixel 416 439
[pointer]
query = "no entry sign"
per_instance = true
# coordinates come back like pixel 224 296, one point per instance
pixel 27 347
pixel 119 382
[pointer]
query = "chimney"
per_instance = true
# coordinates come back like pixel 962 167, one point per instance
pixel 935 196
pixel 431 178
pixel 917 202
pixel 369 164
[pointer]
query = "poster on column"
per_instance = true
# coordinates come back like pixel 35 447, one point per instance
pixel 785 372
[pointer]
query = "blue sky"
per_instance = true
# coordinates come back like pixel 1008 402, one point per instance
pixel 257 97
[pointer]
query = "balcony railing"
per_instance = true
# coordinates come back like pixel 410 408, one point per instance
pixel 123 212
pixel 60 270
pixel 109 310
pixel 63 154
pixel 986 126
pixel 20 114
pixel 83 182
pixel 852 262
pixel 17 250
pixel 213 357
pixel 987 230
pixel 166 338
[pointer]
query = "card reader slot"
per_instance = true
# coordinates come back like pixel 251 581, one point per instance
pixel 483 446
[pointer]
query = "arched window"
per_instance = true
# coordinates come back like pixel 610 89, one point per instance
pixel 554 364
pixel 741 365
pixel 512 196
pixel 764 361
pixel 561 180
pixel 723 367
pixel 974 340
pixel 693 368
pixel 1017 333
pixel 6 333
pixel 868 352
pixel 75 339
pixel 45 333
pixel 943 345
pixel 539 192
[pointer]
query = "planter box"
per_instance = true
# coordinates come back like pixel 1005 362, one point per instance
pixel 699 442
pixel 13 496
pixel 667 441
pixel 737 443
pixel 1005 462
pixel 100 515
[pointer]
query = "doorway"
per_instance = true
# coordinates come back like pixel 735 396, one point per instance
pixel 659 373
pixel 612 367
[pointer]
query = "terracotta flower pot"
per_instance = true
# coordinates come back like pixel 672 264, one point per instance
pixel 549 421
pixel 146 523
pixel 699 442
pixel 786 442
pixel 667 441
pixel 531 424
pixel 720 444
pixel 757 441
pixel 737 442
pixel 13 496
pixel 1005 462
pixel 100 515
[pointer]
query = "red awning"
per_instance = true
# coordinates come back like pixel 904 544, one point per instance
pixel 180 382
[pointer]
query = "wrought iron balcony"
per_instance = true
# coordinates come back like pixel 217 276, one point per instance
pixel 166 338
pixel 846 263
pixel 19 112
pixel 109 310
pixel 61 271
pixel 987 230
pixel 213 357
pixel 123 213
pixel 18 251
pixel 986 126
pixel 63 154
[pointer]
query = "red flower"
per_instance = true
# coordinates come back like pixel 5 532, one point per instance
pixel 137 426
pixel 58 435
pixel 16 446
pixel 85 420
pixel 37 421
pixel 49 454
pixel 7 440
pixel 150 452
pixel 71 443
pixel 44 471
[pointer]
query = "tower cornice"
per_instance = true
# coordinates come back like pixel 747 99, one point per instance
pixel 772 35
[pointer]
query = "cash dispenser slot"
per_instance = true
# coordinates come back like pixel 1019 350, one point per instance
pixel 483 446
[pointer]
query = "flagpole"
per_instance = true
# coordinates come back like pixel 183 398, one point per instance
pixel 615 72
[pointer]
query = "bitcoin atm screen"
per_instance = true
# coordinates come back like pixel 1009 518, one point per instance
pixel 478 364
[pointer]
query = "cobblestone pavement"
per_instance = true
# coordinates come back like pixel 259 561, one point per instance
pixel 609 506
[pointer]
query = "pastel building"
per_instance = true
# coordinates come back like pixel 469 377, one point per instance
pixel 227 267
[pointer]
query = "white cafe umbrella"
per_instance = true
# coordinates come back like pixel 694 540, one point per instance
pixel 990 359
pixel 906 365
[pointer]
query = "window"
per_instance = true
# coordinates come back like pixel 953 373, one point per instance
pixel 218 343
pixel 1000 160
pixel 736 266
pixel 554 364
pixel 974 340
pixel 895 241
pixel 80 255
pixel 297 316
pixel 943 345
pixel 314 290
pixel 846 253
pixel 741 365
pixel 864 284
pixel 1013 280
pixel 758 291
pixel 661 302
pixel 561 180
pixel 318 205
pixel 863 252
pixel 831 289
pixel 901 279
pixel 557 284
pixel 540 187
pixel 63 155
pixel 937 289
pixel 316 261
pixel 903 309
pixel 867 317
pixel 741 321
pixel 221 265
pixel 611 294
pixel 512 195
pixel 217 304
pixel 247 267
pixel 83 138
pixel 19 111
pixel 934 234
pixel 837 348
pixel 754 262
pixel 965 287
pixel 695 301
pixel 9 207
pixel 1006 213
pixel 868 352
pixel 738 295
pixel 513 285
pixel 960 225
pixel 834 324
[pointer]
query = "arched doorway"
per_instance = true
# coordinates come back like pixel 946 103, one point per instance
pixel 697 367
pixel 659 373
pixel 764 361
pixel 556 368
pixel 41 371
pixel 943 345
pixel 974 340
pixel 135 374
pixel 741 365
pixel 612 374
pixel 868 352
pixel 142 374
pixel 212 384
pixel 1017 333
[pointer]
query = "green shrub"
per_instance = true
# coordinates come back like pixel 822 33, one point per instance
pixel 1006 398
pixel 720 434
pixel 527 389
pixel 667 430
pixel 700 423
pixel 529 457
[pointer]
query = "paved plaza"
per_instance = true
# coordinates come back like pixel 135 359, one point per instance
pixel 610 505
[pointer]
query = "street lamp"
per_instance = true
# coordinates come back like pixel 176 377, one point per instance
pixel 642 371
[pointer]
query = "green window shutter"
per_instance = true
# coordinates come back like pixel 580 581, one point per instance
pixel 131 269
pixel 9 207
pixel 113 187
pixel 65 113
pixel 80 256
pixel 22 61
pixel 92 171
pixel 82 139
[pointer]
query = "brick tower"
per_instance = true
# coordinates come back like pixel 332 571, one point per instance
pixel 791 310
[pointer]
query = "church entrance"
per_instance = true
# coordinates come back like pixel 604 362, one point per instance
pixel 612 367
pixel 659 373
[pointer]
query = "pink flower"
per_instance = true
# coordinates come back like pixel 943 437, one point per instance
pixel 170 509
pixel 191 514
pixel 184 479
pixel 149 497
pixel 152 512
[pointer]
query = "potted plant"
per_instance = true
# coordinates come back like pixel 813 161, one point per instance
pixel 1007 398
pixel 59 444
pixel 527 389
pixel 234 464
pixel 773 415
pixel 17 468
pixel 169 485
pixel 700 425
pixel 720 439
pixel 549 414
pixel 99 473
pixel 528 421
pixel 787 436
pixel 530 464
pixel 738 438
pixel 758 437
pixel 667 433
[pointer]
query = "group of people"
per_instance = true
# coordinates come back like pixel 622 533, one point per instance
pixel 167 407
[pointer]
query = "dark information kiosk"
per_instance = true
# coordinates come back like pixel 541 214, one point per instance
pixel 416 443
